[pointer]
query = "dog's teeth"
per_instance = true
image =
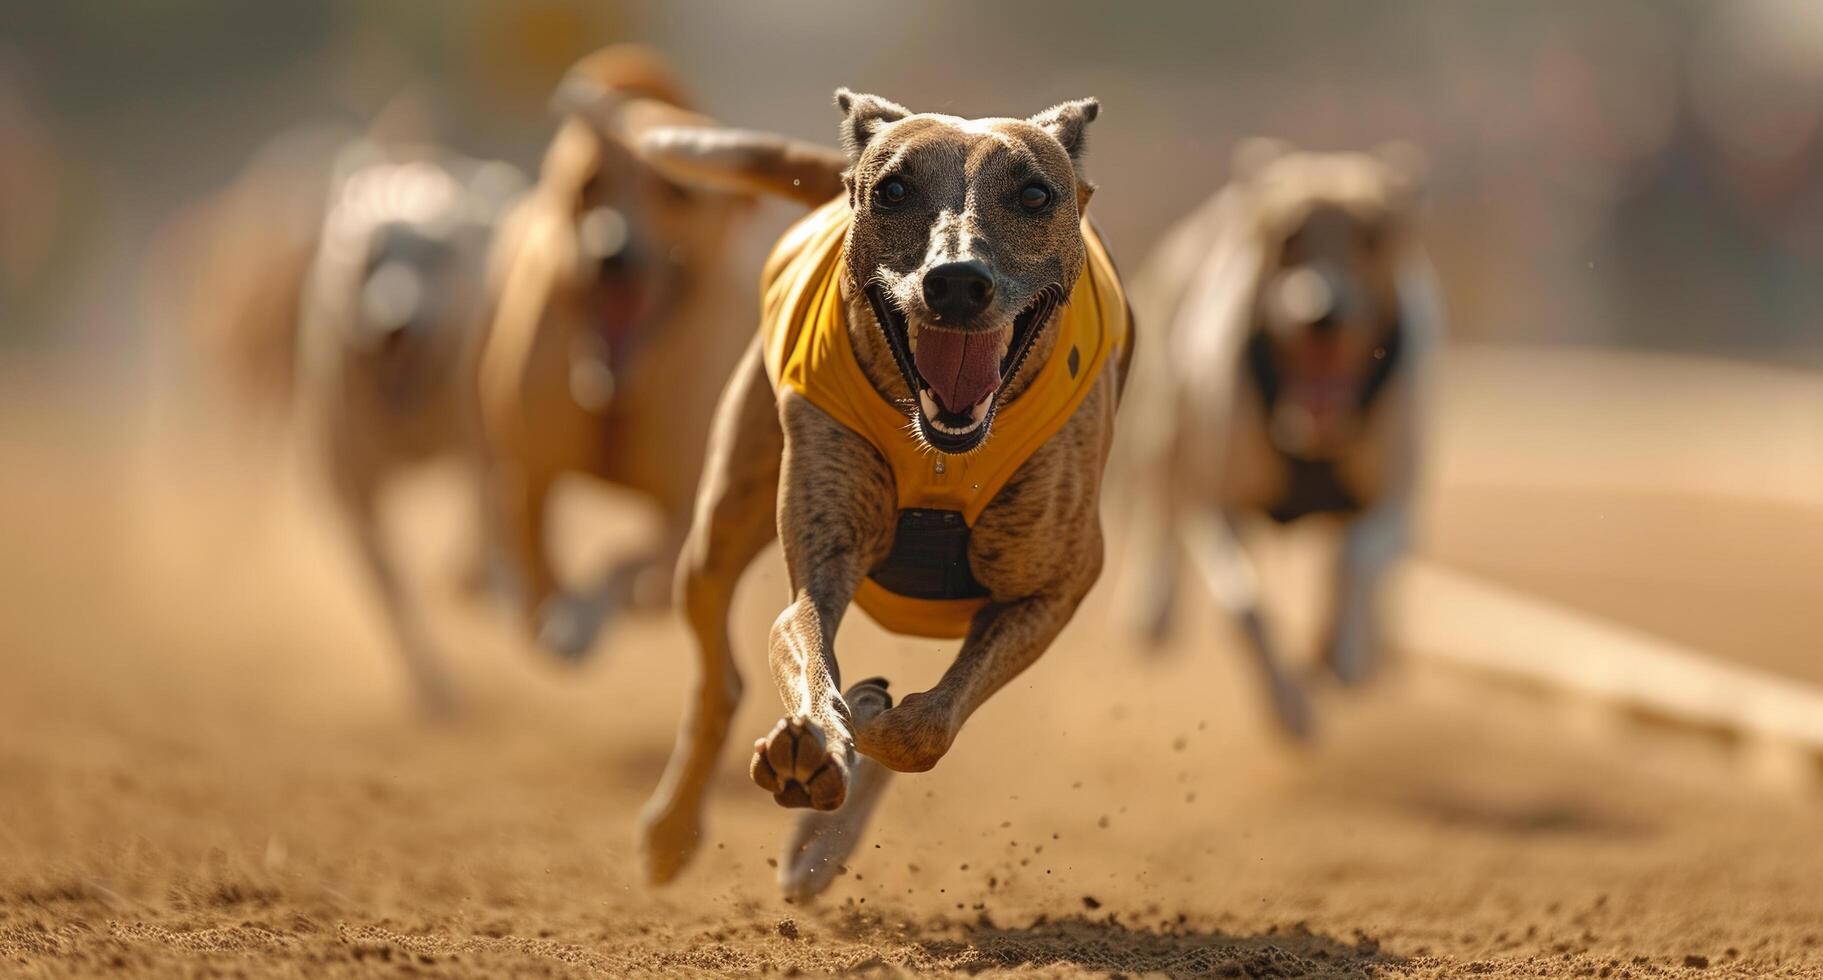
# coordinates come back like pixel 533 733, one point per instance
pixel 911 337
pixel 977 412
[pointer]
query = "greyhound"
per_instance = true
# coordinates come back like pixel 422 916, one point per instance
pixel 922 422
pixel 1299 316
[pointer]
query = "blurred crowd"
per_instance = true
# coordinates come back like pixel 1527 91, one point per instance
pixel 1647 174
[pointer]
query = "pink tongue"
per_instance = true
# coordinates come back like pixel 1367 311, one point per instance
pixel 961 368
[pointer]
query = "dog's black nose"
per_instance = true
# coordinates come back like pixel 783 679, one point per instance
pixel 958 291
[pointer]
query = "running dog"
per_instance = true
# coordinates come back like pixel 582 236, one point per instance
pixel 922 421
pixel 391 318
pixel 611 308
pixel 1298 316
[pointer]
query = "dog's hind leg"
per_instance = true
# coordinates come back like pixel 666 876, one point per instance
pixel 522 492
pixel 486 573
pixel 641 581
pixel 1151 604
pixel 734 522
pixel 1370 544
pixel 822 841
pixel 358 497
pixel 1228 572
pixel 570 621
pixel 1148 595
pixel 1373 540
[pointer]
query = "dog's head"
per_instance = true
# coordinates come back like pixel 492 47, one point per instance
pixel 1333 232
pixel 966 239
pixel 403 242
pixel 638 235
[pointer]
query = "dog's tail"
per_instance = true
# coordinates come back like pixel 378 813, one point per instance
pixel 743 161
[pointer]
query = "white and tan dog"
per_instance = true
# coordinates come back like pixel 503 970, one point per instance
pixel 1298 317
pixel 392 319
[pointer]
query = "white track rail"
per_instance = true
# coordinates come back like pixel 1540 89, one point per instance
pixel 1455 619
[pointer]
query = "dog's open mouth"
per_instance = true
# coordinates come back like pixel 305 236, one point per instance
pixel 957 375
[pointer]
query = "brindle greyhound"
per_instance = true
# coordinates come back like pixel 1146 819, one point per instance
pixel 934 281
pixel 1298 318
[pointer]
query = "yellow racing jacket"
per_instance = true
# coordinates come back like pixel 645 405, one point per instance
pixel 804 328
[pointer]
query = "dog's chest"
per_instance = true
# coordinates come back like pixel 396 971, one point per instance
pixel 1251 473
pixel 1043 529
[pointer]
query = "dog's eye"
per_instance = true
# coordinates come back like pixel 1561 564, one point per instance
pixel 1034 196
pixel 891 192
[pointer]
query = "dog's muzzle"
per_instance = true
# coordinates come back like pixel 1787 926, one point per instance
pixel 955 375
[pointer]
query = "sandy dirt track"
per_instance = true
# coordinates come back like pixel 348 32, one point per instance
pixel 208 767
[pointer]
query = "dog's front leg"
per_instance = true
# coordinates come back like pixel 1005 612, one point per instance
pixel 1370 544
pixel 1226 569
pixel 1148 595
pixel 807 757
pixel 356 480
pixel 836 507
pixel 1004 640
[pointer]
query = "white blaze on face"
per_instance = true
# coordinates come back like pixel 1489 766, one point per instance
pixel 1300 297
pixel 603 233
pixel 391 298
pixel 951 239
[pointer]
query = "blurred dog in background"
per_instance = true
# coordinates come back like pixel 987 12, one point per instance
pixel 393 316
pixel 614 318
pixel 1297 316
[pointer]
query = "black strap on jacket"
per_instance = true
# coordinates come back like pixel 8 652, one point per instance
pixel 929 557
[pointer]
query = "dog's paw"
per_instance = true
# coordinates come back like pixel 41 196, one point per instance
pixel 1148 613
pixel 1352 654
pixel 793 763
pixel 867 699
pixel 668 838
pixel 1291 707
pixel 912 736
pixel 480 578
pixel 568 625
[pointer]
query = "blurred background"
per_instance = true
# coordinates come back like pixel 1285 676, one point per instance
pixel 1633 174
pixel 1625 207
pixel 1637 178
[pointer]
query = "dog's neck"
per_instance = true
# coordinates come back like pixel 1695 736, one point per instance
pixel 882 372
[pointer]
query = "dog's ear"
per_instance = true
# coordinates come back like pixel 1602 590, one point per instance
pixel 1069 122
pixel 584 97
pixel 1254 154
pixel 601 110
pixel 1407 169
pixel 863 116
pixel 351 159
pixel 410 117
pixel 493 186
